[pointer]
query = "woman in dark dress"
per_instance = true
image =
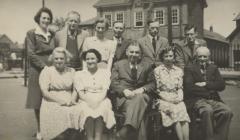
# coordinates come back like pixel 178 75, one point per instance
pixel 39 44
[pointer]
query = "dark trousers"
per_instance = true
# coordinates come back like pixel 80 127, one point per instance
pixel 216 117
pixel 134 111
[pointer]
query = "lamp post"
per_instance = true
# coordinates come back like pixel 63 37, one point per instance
pixel 43 3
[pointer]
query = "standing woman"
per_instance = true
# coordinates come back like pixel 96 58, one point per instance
pixel 169 80
pixel 40 44
pixel 103 45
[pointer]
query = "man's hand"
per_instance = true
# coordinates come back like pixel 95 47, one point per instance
pixel 138 91
pixel 128 93
pixel 200 84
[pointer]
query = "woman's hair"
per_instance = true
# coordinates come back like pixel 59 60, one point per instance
pixel 62 50
pixel 98 55
pixel 165 51
pixel 102 20
pixel 43 10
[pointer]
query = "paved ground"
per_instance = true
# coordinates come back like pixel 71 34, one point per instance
pixel 17 123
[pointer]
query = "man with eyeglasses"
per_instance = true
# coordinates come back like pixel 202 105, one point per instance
pixel 186 48
pixel 202 82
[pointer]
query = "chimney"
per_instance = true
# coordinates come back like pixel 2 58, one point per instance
pixel 211 28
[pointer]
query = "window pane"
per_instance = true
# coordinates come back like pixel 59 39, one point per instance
pixel 139 19
pixel 175 16
pixel 109 18
pixel 119 17
pixel 160 16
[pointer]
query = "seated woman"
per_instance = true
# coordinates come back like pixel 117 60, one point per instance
pixel 56 83
pixel 91 85
pixel 169 80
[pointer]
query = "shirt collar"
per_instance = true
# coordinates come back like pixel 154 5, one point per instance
pixel 39 31
pixel 151 37
pixel 73 35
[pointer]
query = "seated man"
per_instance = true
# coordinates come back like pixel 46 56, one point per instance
pixel 202 81
pixel 132 81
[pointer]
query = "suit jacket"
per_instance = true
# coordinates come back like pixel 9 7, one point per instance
pixel 184 54
pixel 61 38
pixel 120 52
pixel 121 79
pixel 213 79
pixel 148 50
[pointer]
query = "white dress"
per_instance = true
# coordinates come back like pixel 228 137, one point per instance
pixel 54 118
pixel 169 88
pixel 105 47
pixel 92 90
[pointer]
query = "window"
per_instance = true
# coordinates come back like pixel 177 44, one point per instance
pixel 138 19
pixel 159 14
pixel 108 16
pixel 119 17
pixel 175 15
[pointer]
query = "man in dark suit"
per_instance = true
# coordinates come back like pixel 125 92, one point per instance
pixel 152 44
pixel 71 38
pixel 132 82
pixel 186 48
pixel 121 42
pixel 202 81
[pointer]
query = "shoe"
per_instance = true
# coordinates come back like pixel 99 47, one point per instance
pixel 39 136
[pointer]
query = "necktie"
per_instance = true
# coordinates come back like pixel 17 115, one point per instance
pixel 154 43
pixel 134 72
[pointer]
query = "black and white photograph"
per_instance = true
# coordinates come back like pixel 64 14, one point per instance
pixel 119 69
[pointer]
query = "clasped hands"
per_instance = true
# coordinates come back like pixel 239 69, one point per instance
pixel 130 94
pixel 201 84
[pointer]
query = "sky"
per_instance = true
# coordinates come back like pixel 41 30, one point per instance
pixel 17 15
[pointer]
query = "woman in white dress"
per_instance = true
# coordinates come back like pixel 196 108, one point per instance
pixel 169 80
pixel 56 84
pixel 91 85
pixel 103 45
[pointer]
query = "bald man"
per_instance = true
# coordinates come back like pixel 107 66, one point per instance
pixel 202 82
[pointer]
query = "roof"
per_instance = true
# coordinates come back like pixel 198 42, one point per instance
pixel 234 32
pixel 108 3
pixel 88 22
pixel 237 17
pixel 214 36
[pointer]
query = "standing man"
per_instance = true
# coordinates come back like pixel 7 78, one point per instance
pixel 132 82
pixel 72 38
pixel 121 42
pixel 152 44
pixel 202 81
pixel 186 48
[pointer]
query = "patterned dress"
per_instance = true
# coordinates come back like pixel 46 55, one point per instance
pixel 54 118
pixel 92 89
pixel 169 88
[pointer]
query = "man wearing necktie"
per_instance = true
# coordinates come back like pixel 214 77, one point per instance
pixel 122 43
pixel 132 83
pixel 202 82
pixel 152 44
pixel 186 48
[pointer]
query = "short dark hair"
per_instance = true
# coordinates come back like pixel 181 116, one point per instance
pixel 134 43
pixel 166 50
pixel 151 21
pixel 117 21
pixel 189 27
pixel 102 20
pixel 98 55
pixel 43 10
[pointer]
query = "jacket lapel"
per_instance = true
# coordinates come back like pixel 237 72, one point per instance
pixel 139 70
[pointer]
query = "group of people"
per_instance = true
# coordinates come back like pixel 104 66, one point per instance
pixel 71 73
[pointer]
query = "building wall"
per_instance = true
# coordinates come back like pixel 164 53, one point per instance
pixel 235 51
pixel 219 52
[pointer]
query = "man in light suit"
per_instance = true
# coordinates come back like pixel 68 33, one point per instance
pixel 202 82
pixel 186 48
pixel 152 44
pixel 72 38
pixel 132 82
pixel 121 42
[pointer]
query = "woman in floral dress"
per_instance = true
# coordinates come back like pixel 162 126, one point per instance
pixel 169 80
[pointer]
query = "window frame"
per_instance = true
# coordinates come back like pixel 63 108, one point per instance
pixel 135 20
pixel 163 16
pixel 177 16
pixel 119 12
pixel 111 21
